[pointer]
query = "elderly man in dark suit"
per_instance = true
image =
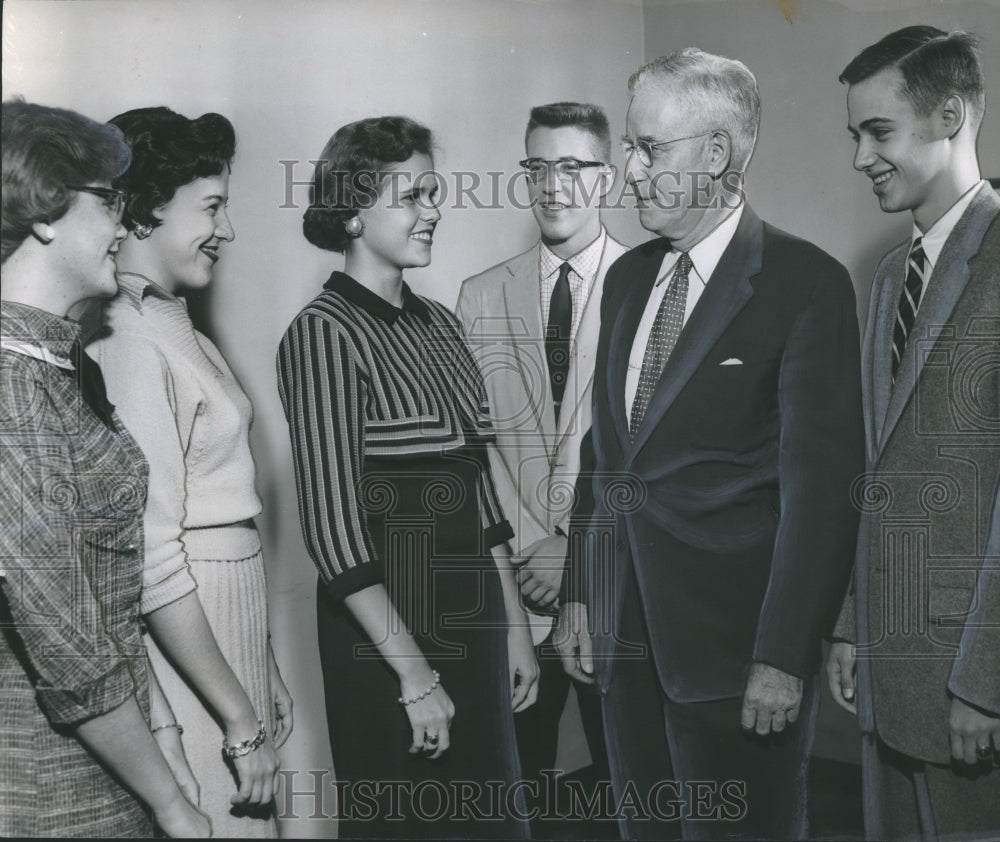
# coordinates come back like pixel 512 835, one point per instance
pixel 925 609
pixel 716 534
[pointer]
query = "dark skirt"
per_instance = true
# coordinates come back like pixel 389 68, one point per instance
pixel 424 518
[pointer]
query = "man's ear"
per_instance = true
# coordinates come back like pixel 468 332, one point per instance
pixel 43 232
pixel 721 151
pixel 951 113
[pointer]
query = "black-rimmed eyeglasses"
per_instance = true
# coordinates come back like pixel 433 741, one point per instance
pixel 645 150
pixel 114 200
pixel 566 169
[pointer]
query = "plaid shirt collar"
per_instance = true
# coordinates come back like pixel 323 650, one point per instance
pixel 584 263
pixel 23 326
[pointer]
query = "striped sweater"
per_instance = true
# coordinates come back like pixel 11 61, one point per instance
pixel 360 378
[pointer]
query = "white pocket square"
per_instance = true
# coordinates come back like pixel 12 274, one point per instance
pixel 732 361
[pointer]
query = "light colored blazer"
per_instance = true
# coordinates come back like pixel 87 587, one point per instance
pixel 536 462
pixel 925 610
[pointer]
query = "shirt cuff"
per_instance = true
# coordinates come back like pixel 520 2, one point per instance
pixel 71 705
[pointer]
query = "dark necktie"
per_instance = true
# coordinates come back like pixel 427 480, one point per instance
pixel 909 301
pixel 557 336
pixel 91 380
pixel 662 339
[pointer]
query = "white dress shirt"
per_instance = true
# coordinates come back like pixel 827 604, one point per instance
pixel 583 272
pixel 705 256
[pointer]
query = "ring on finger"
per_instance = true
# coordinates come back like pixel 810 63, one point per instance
pixel 982 752
pixel 431 739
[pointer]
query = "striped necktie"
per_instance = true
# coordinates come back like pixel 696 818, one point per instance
pixel 909 301
pixel 662 338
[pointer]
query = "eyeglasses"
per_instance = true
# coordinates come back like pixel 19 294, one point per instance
pixel 114 200
pixel 645 150
pixel 566 169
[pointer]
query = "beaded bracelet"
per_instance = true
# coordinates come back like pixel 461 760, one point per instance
pixel 425 694
pixel 176 725
pixel 243 748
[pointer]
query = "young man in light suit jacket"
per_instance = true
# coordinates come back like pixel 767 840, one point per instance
pixel 534 320
pixel 924 613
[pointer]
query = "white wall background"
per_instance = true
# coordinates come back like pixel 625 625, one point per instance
pixel 289 73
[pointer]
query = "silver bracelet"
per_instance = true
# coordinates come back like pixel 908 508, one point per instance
pixel 180 730
pixel 425 694
pixel 243 748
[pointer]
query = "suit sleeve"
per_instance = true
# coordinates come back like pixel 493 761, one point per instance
pixel 821 451
pixel 975 675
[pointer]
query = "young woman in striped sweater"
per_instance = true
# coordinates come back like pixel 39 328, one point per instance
pixel 424 646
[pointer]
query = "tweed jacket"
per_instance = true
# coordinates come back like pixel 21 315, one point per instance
pixel 925 608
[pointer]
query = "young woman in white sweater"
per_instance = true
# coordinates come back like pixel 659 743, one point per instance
pixel 204 594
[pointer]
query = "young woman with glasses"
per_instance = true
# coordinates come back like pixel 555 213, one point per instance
pixel 76 754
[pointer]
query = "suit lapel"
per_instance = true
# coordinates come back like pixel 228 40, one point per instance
pixel 525 320
pixel 581 364
pixel 726 293
pixel 880 363
pixel 948 281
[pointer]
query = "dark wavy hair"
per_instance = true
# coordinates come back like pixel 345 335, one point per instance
pixel 934 65
pixel 44 149
pixel 169 150
pixel 351 169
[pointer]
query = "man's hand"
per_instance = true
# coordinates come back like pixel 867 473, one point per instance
pixel 771 699
pixel 972 729
pixel 540 570
pixel 572 641
pixel 840 672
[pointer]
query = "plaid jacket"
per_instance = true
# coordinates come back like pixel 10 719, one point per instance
pixel 72 492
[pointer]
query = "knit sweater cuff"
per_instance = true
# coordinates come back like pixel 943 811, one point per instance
pixel 177 584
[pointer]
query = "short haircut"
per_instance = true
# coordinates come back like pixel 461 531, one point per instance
pixel 169 150
pixel 934 65
pixel 718 93
pixel 44 150
pixel 351 169
pixel 579 115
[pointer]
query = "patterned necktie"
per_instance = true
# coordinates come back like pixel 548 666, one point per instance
pixel 557 336
pixel 662 338
pixel 909 301
pixel 91 382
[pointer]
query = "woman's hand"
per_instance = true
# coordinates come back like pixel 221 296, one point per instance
pixel 430 718
pixel 282 701
pixel 523 667
pixel 169 741
pixel 180 819
pixel 257 771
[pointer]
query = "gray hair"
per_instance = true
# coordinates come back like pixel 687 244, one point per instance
pixel 720 92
